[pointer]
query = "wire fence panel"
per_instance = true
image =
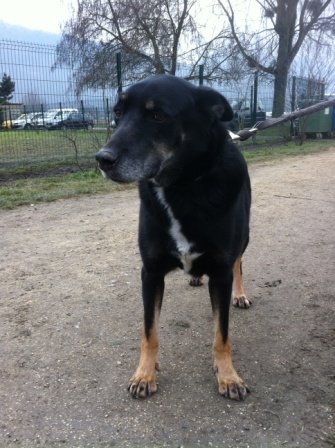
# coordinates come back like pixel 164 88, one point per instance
pixel 40 86
pixel 47 123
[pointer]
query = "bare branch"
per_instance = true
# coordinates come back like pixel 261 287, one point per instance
pixel 250 59
pixel 273 50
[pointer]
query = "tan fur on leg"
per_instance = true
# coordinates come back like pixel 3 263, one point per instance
pixel 230 384
pixel 240 299
pixel 143 382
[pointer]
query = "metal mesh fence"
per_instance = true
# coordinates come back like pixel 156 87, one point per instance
pixel 40 86
pixel 39 89
pixel 58 127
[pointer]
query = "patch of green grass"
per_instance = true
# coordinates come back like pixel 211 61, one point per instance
pixel 44 169
pixel 27 150
pixel 256 153
pixel 32 190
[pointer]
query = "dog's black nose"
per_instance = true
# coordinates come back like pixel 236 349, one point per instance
pixel 105 158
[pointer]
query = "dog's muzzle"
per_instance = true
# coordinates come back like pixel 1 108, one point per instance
pixel 106 159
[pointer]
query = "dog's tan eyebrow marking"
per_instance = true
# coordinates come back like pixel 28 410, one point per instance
pixel 150 105
pixel 123 96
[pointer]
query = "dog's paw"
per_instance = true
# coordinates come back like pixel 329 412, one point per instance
pixel 232 387
pixel 235 390
pixel 241 301
pixel 196 281
pixel 142 386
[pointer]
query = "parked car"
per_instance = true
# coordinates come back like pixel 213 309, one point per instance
pixel 26 121
pixel 243 115
pixel 74 120
pixel 52 117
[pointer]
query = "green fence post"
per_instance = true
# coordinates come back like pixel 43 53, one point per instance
pixel 251 99
pixel 107 110
pixel 82 109
pixel 119 71
pixel 293 96
pixel 201 75
pixel 254 112
pixel 42 110
pixel 293 102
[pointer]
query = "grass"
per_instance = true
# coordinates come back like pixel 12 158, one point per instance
pixel 271 151
pixel 24 151
pixel 45 189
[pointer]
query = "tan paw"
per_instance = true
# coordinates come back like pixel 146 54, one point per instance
pixel 142 386
pixel 241 301
pixel 233 388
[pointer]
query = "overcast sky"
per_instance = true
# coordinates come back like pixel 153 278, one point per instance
pixel 50 15
pixel 42 15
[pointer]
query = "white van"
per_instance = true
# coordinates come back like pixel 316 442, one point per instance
pixel 53 116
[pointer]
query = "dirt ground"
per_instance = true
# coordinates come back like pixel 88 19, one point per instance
pixel 70 312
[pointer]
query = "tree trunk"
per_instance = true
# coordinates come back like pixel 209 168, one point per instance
pixel 280 82
pixel 285 28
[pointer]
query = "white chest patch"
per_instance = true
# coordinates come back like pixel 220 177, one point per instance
pixel 184 246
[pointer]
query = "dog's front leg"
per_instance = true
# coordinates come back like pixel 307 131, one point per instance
pixel 143 382
pixel 230 384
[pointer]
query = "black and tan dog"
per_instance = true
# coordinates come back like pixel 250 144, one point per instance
pixel 195 204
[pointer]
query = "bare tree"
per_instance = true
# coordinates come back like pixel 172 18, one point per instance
pixel 154 36
pixel 287 24
pixel 315 61
pixel 147 32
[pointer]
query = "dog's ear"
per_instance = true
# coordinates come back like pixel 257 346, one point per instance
pixel 213 102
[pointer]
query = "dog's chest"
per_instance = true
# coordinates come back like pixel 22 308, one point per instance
pixel 185 248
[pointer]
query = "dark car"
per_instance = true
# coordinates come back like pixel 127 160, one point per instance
pixel 74 120
pixel 243 115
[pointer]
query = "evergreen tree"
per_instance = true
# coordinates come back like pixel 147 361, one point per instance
pixel 7 87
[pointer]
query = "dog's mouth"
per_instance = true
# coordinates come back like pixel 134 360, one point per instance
pixel 106 160
pixel 107 164
pixel 111 173
pixel 124 169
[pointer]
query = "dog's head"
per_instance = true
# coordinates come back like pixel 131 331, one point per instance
pixel 164 132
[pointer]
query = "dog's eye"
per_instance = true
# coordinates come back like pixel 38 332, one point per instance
pixel 117 113
pixel 159 116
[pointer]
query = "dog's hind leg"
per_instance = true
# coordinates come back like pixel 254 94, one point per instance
pixel 143 382
pixel 240 299
pixel 229 382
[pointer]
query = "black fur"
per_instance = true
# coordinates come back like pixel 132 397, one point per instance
pixel 171 138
